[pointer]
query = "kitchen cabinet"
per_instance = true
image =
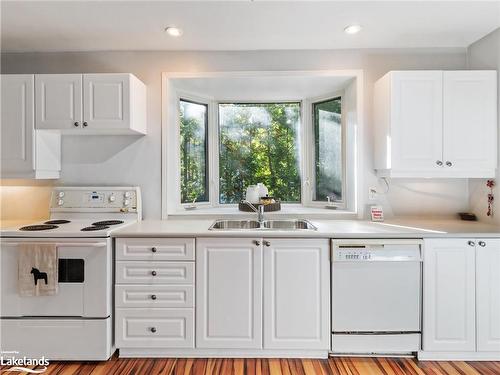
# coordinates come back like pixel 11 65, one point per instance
pixel 154 293
pixel 461 295
pixel 58 101
pixel 25 152
pixel 449 295
pixel 262 294
pixel 228 293
pixel 86 104
pixel 436 124
pixel 488 294
pixel 296 294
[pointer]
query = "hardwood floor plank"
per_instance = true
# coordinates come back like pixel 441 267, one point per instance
pixel 224 366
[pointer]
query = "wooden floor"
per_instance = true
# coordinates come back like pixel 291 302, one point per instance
pixel 334 366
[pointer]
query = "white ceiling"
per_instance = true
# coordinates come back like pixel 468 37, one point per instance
pixel 242 25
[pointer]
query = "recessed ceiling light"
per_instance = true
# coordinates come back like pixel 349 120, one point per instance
pixel 173 31
pixel 352 29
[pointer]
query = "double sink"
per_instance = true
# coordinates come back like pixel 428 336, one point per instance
pixel 294 224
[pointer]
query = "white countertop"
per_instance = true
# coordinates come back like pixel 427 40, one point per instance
pixel 396 228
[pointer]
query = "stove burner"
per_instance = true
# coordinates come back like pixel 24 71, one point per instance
pixel 94 227
pixel 108 222
pixel 38 227
pixel 62 221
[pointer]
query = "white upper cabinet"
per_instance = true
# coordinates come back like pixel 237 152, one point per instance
pixel 488 294
pixel 436 124
pixel 107 103
pixel 25 152
pixel 58 101
pixel 470 122
pixel 296 294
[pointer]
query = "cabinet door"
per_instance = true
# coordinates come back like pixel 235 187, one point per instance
pixel 17 116
pixel 58 99
pixel 228 293
pixel 416 121
pixel 106 101
pixel 470 125
pixel 449 295
pixel 488 294
pixel 296 294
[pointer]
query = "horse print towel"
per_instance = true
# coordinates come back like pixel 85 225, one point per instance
pixel 37 269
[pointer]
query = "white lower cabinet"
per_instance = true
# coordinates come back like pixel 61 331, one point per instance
pixel 229 293
pixel 154 295
pixel 461 295
pixel 296 294
pixel 262 293
pixel 488 295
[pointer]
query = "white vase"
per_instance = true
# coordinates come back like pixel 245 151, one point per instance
pixel 252 195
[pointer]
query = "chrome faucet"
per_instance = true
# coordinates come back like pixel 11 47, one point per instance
pixel 259 211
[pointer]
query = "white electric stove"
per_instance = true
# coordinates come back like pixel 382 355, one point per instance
pixel 76 323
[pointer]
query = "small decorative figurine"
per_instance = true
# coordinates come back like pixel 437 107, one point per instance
pixel 490 184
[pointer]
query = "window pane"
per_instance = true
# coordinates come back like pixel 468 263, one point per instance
pixel 194 171
pixel 258 143
pixel 328 150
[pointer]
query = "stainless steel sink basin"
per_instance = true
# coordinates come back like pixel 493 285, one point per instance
pixel 234 224
pixel 294 224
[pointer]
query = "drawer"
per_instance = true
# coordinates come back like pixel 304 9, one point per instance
pixel 154 249
pixel 154 328
pixel 154 296
pixel 154 273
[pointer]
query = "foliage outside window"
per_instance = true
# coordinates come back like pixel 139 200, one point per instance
pixel 193 151
pixel 328 160
pixel 259 143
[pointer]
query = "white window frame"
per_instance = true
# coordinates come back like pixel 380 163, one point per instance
pixel 171 203
pixel 309 182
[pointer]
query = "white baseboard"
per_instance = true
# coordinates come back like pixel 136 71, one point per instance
pixel 219 353
pixel 458 356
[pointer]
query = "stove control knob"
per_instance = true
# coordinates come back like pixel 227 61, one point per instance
pixel 60 194
pixel 126 202
pixel 127 194
pixel 60 202
pixel 112 198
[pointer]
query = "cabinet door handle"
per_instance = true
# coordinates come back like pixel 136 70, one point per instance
pixel 76 124
pixel 85 124
pixel 153 249
pixel 482 243
pixel 153 329
pixel 471 243
pixel 449 163
pixel 267 243
pixel 153 273
pixel 257 243
pixel 439 163
pixel 153 297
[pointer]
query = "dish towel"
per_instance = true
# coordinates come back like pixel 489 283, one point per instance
pixel 37 270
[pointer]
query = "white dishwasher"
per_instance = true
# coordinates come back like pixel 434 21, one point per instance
pixel 376 296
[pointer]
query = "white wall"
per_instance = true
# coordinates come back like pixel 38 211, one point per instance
pixel 136 160
pixel 485 54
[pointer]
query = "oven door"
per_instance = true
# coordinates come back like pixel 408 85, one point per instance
pixel 85 278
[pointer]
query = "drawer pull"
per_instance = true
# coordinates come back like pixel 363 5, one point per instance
pixel 153 297
pixel 153 273
pixel 482 243
pixel 153 249
pixel 153 329
pixel 471 243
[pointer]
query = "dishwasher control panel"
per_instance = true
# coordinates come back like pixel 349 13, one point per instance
pixel 378 252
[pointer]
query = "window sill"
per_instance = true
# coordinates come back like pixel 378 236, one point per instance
pixel 290 211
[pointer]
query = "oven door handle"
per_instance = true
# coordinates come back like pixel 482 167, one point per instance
pixel 67 244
